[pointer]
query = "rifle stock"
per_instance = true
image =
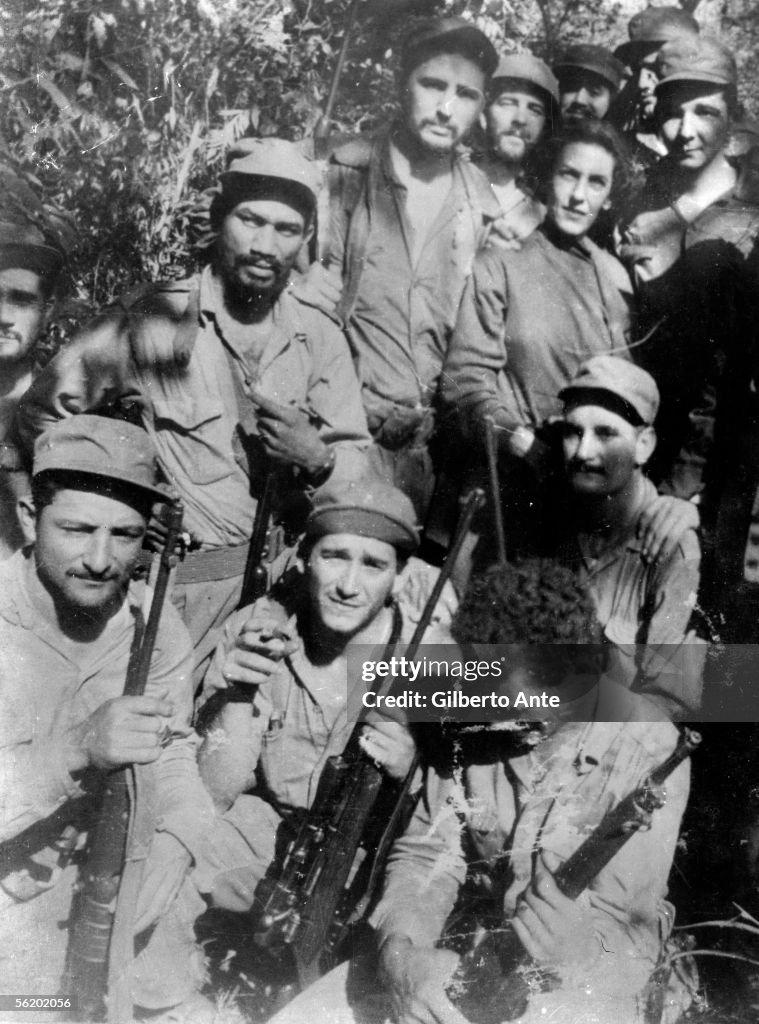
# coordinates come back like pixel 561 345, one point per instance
pixel 493 982
pixel 94 909
pixel 304 906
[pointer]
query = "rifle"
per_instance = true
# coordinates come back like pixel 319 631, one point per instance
pixel 256 580
pixel 491 449
pixel 93 916
pixel 492 983
pixel 321 131
pixel 306 906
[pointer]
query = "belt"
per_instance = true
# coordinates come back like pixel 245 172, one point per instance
pixel 215 564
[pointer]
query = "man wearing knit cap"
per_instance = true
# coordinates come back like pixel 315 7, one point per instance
pixel 408 215
pixel 522 109
pixel 589 78
pixel 290 651
pixel 68 616
pixel 235 380
pixel 688 242
pixel 31 256
pixel 649 30
pixel 644 605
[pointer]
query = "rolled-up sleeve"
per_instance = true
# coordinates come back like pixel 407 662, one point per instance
pixel 183 805
pixel 335 399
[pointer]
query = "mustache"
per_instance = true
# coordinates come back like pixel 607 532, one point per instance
pixel 258 260
pixel 579 108
pixel 90 577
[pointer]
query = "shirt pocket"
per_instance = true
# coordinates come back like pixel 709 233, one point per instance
pixel 286 768
pixel 201 436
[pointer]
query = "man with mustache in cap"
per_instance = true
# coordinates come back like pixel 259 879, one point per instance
pixel 521 111
pixel 644 605
pixel 230 375
pixel 68 620
pixel 31 256
pixel 589 78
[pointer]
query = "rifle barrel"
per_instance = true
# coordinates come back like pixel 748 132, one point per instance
pixel 92 921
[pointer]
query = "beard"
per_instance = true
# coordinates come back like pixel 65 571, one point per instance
pixel 511 149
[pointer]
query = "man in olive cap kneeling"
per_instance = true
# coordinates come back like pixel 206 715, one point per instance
pixel 68 618
pixel 290 651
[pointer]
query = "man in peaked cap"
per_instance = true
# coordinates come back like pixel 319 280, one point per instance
pixel 232 376
pixel 290 651
pixel 644 605
pixel 649 30
pixel 31 256
pixel 589 78
pixel 521 110
pixel 408 214
pixel 689 242
pixel 68 615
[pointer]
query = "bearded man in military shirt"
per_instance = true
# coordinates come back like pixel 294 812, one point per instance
pixel 230 375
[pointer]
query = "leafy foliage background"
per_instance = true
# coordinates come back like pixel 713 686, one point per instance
pixel 121 110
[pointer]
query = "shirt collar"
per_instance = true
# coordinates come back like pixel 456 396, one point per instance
pixel 210 292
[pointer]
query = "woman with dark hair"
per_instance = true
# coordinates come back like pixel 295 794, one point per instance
pixel 530 318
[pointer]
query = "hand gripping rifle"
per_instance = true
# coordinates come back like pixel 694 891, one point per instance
pixel 304 905
pixel 492 983
pixel 93 916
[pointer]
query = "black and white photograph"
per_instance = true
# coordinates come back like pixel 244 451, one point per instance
pixel 379 511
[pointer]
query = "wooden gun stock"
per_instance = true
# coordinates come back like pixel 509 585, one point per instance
pixel 491 982
pixel 93 916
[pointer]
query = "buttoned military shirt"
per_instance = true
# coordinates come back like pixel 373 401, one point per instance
pixel 527 322
pixel 400 310
pixel 189 388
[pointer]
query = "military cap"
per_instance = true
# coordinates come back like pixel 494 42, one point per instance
pixel 104 447
pixel 696 59
pixel 441 34
pixel 253 161
pixel 597 59
pixel 368 507
pixel 635 395
pixel 526 68
pixel 653 27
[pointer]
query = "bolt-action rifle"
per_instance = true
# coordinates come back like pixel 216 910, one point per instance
pixel 493 981
pixel 87 966
pixel 304 906
pixel 256 579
